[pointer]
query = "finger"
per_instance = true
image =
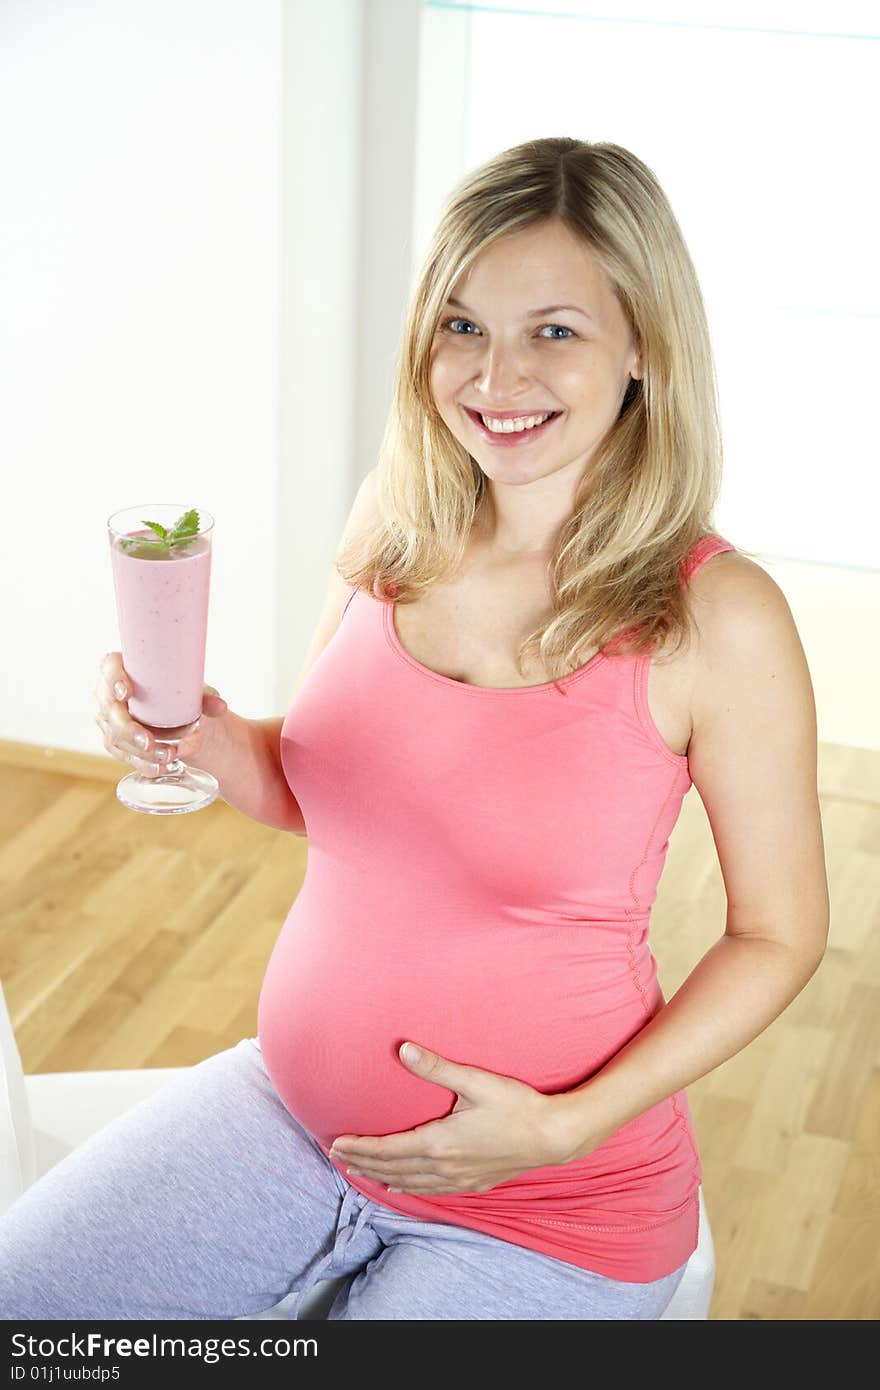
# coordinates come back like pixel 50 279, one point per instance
pixel 101 692
pixel 115 745
pixel 399 1181
pixel 123 748
pixel 399 1151
pixel 125 730
pixel 112 669
pixel 112 740
pixel 105 695
pixel 128 731
pixel 397 1172
pixel 422 1189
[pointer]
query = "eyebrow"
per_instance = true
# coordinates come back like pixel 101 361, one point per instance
pixel 534 313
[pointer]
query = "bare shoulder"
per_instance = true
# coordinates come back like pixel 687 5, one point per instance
pixel 753 756
pixel 745 634
pixel 726 583
pixel 731 597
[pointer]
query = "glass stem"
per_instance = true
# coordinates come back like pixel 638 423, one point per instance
pixel 173 768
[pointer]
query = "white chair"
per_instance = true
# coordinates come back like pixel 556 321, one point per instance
pixel 44 1117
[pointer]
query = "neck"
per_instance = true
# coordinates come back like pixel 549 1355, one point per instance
pixel 511 538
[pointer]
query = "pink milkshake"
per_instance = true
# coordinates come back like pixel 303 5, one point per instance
pixel 162 604
pixel 161 559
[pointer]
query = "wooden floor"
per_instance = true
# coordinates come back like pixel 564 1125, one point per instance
pixel 141 941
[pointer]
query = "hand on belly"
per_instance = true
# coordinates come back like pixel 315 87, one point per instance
pixel 498 1129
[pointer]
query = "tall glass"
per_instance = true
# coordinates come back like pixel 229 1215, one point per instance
pixel 161 558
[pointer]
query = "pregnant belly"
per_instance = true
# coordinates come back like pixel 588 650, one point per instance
pixel 338 1001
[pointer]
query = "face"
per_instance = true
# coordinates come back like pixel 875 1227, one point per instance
pixel 498 355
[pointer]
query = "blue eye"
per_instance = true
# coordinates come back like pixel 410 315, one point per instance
pixel 446 326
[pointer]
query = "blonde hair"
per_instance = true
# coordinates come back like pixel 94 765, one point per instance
pixel 649 492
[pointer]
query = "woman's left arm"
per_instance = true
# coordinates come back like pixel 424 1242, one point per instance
pixel 752 757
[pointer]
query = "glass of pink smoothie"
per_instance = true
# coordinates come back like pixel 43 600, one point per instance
pixel 161 558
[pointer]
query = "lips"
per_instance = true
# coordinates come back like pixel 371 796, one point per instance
pixel 511 437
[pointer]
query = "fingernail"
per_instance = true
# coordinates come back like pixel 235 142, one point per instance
pixel 161 754
pixel 140 740
pixel 119 688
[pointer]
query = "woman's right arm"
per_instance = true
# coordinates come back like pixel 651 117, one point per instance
pixel 245 757
pixel 243 754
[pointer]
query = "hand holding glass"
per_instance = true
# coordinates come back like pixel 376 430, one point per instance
pixel 162 590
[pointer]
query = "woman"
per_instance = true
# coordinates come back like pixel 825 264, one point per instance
pixel 533 643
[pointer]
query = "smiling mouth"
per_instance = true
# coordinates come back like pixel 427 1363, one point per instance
pixel 517 434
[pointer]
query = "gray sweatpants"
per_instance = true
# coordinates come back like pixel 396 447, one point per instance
pixel 209 1200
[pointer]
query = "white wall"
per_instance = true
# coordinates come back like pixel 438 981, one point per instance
pixel 350 95
pixel 320 189
pixel 190 312
pixel 139 334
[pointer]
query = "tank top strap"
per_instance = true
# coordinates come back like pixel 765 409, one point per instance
pixel 704 550
pixel 347 602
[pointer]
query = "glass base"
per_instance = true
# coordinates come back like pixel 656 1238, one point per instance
pixel 171 795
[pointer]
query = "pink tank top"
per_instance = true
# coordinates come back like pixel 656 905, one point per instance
pixel 482 866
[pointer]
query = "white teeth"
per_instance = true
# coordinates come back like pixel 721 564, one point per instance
pixel 515 426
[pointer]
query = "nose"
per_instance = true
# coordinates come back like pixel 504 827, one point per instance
pixel 501 377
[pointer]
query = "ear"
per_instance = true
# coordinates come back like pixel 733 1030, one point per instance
pixel 636 366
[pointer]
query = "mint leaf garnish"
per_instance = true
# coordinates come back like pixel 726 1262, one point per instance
pixel 185 528
pixel 186 525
